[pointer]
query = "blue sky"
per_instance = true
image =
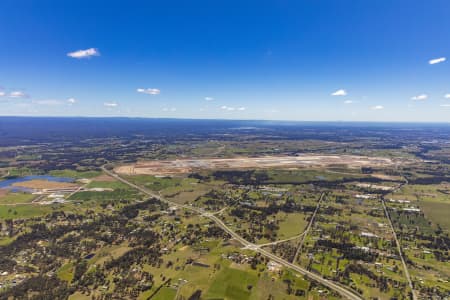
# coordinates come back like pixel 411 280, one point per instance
pixel 227 59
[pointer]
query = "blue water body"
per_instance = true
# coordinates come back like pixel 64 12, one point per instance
pixel 89 256
pixel 8 184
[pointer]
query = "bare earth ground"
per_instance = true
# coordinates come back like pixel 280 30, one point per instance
pixel 3 192
pixel 387 177
pixel 45 184
pixel 172 167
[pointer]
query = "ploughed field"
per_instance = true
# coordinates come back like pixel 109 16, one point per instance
pixel 170 167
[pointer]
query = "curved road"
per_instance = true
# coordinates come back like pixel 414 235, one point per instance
pixel 328 283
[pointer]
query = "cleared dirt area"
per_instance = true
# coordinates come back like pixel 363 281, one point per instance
pixel 3 192
pixel 173 167
pixel 387 177
pixel 45 184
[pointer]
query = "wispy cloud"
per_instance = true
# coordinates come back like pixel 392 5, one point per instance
pixel 340 92
pixel 420 97
pixel 171 109
pixel 445 105
pixel 71 101
pixel 447 96
pixel 17 94
pixel 110 104
pixel 49 102
pixel 377 107
pixel 230 108
pixel 349 102
pixel 149 91
pixel 2 94
pixel 437 60
pixel 209 98
pixel 84 53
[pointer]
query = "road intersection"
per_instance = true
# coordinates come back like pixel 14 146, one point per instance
pixel 343 291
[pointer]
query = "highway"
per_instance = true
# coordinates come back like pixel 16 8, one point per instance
pixel 343 291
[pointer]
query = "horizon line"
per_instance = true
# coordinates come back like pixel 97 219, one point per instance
pixel 220 119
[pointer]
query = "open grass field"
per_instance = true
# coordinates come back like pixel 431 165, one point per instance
pixel 438 212
pixel 75 174
pixel 108 184
pixel 279 176
pixel 23 211
pixel 155 183
pixel 104 178
pixel 164 294
pixel 232 284
pixel 291 224
pixel 79 296
pixel 66 272
pixel 15 198
pixel 433 200
pixel 6 241
pixel 118 194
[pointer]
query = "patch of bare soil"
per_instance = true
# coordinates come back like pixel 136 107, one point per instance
pixel 45 184
pixel 3 193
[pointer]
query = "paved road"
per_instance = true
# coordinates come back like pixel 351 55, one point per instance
pixel 282 241
pixel 399 249
pixel 300 244
pixel 343 291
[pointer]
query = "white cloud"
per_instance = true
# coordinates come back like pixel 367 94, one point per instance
pixel 445 105
pixel 2 94
pixel 447 96
pixel 340 92
pixel 420 97
pixel 209 98
pixel 149 91
pixel 110 104
pixel 17 94
pixel 71 101
pixel 84 53
pixel 348 102
pixel 228 108
pixel 171 109
pixel 377 107
pixel 50 102
pixel 437 60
